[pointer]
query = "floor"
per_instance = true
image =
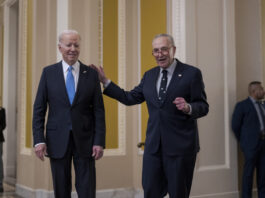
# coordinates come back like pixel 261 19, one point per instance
pixel 9 192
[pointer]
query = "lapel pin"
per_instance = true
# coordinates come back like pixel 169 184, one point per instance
pixel 84 72
pixel 179 75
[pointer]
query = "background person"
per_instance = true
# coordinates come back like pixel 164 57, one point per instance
pixel 248 125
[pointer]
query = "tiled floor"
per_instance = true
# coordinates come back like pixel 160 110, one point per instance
pixel 9 192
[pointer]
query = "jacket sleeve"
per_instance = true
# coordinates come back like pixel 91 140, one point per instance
pixel 198 101
pixel 39 111
pixel 237 120
pixel 135 96
pixel 99 115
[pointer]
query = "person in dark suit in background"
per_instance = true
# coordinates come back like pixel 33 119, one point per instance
pixel 75 128
pixel 175 98
pixel 248 125
pixel 2 139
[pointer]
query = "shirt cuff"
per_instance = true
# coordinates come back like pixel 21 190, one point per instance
pixel 189 113
pixel 38 144
pixel 105 85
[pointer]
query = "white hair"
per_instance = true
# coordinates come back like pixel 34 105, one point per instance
pixel 169 38
pixel 60 37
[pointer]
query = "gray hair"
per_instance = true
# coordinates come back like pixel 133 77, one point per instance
pixel 168 36
pixel 60 37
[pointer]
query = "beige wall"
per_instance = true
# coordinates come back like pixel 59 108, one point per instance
pixel 248 44
pixel 250 65
pixel 217 36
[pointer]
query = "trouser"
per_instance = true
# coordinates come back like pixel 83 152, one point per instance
pixel 85 176
pixel 164 174
pixel 252 161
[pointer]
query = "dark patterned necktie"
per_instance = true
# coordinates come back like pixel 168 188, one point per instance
pixel 163 87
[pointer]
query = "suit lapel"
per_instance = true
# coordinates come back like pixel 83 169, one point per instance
pixel 61 81
pixel 176 77
pixel 81 78
pixel 154 78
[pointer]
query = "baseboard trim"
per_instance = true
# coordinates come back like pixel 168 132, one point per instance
pixel 234 194
pixel 27 192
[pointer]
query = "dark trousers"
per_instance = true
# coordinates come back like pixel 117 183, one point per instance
pixel 85 181
pixel 252 161
pixel 164 174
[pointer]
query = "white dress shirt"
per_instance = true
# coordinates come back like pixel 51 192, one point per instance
pixel 75 71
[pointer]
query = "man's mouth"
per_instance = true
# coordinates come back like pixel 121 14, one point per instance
pixel 161 59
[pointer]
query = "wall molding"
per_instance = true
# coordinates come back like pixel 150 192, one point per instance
pixel 121 150
pixel 23 82
pixel 111 193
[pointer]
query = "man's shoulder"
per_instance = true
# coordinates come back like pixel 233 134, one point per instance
pixel 244 102
pixel 53 66
pixel 85 69
pixel 187 67
pixel 153 69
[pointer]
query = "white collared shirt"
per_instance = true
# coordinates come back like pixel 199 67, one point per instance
pixel 75 71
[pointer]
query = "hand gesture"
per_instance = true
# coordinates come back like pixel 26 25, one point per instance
pixel 101 75
pixel 182 105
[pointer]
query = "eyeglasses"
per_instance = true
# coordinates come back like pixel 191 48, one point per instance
pixel 163 50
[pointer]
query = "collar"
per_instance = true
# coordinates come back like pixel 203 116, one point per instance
pixel 76 66
pixel 171 68
pixel 253 100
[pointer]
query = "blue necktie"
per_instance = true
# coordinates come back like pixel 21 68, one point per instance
pixel 70 84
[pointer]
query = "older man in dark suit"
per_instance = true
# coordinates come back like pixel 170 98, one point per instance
pixel 248 124
pixel 75 128
pixel 175 98
pixel 2 139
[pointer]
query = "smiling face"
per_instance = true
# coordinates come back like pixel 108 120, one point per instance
pixel 69 46
pixel 163 51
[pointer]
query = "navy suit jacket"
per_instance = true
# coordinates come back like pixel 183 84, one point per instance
pixel 176 131
pixel 246 126
pixel 86 116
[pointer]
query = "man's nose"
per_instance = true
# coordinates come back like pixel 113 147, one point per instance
pixel 73 48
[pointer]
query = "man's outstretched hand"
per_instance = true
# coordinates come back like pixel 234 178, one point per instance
pixel 101 74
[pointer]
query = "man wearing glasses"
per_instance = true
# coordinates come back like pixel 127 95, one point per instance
pixel 175 98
